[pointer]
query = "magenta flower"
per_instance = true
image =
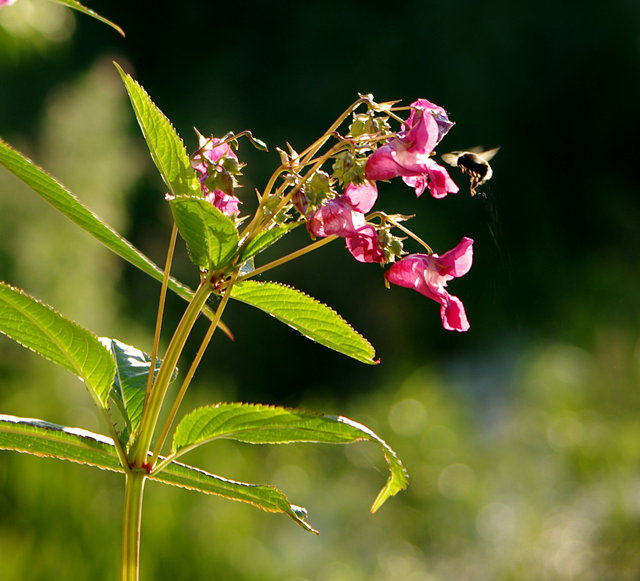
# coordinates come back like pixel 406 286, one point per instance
pixel 429 274
pixel 6 3
pixel 216 182
pixel 409 153
pixel 344 216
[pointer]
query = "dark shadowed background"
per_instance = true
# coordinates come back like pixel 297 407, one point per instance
pixel 521 435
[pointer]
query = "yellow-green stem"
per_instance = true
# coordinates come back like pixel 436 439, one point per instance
pixel 288 257
pixel 161 302
pixel 192 370
pixel 155 399
pixel 131 521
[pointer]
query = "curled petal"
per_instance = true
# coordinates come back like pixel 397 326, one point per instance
pixel 226 203
pixel 362 196
pixel 434 177
pixel 364 245
pixel 453 315
pixel 336 217
pixel 429 276
pixel 457 261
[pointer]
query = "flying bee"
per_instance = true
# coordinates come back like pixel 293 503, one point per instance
pixel 475 163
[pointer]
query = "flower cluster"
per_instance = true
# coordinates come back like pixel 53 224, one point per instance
pixel 340 203
pixel 217 165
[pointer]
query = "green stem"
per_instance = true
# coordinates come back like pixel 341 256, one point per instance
pixel 297 254
pixel 131 520
pixel 156 397
pixel 192 370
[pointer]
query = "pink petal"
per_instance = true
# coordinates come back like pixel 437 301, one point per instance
pixel 453 315
pixel 361 196
pixel 457 261
pixel 364 245
pixel 336 217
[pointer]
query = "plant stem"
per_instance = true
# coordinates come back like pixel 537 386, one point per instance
pixel 161 303
pixel 310 248
pixel 155 399
pixel 131 520
pixel 192 370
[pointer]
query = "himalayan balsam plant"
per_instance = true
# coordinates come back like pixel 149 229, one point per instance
pixel 330 189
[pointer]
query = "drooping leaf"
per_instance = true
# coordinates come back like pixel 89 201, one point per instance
pixel 211 237
pixel 130 382
pixel 41 438
pixel 40 328
pixel 265 239
pixel 262 424
pixel 166 148
pixel 66 203
pixel 267 498
pixel 80 8
pixel 310 317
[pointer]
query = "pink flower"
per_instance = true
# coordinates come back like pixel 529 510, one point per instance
pixel 6 3
pixel 344 216
pixel 429 274
pixel 216 182
pixel 409 153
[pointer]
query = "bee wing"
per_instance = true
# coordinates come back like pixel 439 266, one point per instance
pixel 450 158
pixel 488 154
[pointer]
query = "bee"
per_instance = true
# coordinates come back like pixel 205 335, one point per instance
pixel 475 163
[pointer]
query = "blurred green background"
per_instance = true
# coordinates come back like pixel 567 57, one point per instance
pixel 522 436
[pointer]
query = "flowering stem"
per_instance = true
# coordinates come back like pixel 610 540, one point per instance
pixel 161 303
pixel 131 521
pixel 288 257
pixel 194 365
pixel 156 396
pixel 405 230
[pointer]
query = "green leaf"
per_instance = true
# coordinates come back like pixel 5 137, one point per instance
pixel 166 147
pixel 130 382
pixel 77 445
pixel 267 498
pixel 211 237
pixel 66 203
pixel 40 328
pixel 310 317
pixel 262 424
pixel 80 8
pixel 42 438
pixel 265 239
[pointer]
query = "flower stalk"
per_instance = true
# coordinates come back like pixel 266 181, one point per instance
pixel 156 396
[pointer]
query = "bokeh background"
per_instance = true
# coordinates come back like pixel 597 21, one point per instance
pixel 522 436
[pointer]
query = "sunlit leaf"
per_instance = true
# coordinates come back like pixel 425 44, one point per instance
pixel 130 382
pixel 166 147
pixel 265 239
pixel 40 328
pixel 310 317
pixel 77 445
pixel 211 237
pixel 262 424
pixel 80 8
pixel 67 204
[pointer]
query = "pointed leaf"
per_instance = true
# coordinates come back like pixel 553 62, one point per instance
pixel 42 438
pixel 166 147
pixel 310 317
pixel 66 203
pixel 40 328
pixel 267 498
pixel 262 424
pixel 265 239
pixel 130 382
pixel 80 8
pixel 211 237
pixel 77 445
